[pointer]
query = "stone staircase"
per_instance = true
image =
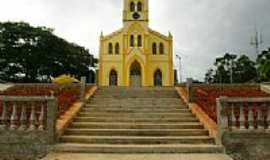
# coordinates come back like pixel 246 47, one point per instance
pixel 136 120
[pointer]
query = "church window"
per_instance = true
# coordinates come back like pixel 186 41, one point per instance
pixel 110 49
pixel 139 40
pixel 139 6
pixel 154 48
pixel 131 41
pixel 161 48
pixel 132 7
pixel 117 48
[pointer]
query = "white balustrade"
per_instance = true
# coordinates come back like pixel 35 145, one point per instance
pixel 28 114
pixel 243 114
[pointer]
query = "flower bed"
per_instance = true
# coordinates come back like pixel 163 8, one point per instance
pixel 205 96
pixel 66 94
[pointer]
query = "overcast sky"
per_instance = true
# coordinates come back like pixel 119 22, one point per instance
pixel 202 29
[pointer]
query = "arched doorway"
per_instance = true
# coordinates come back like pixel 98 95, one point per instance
pixel 113 78
pixel 135 75
pixel 158 78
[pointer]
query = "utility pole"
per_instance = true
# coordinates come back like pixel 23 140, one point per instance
pixel 180 67
pixel 256 41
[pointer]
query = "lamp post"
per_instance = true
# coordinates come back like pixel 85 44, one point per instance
pixel 180 67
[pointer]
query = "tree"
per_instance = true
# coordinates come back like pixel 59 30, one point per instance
pixel 33 54
pixel 232 69
pixel 263 64
pixel 209 76
pixel 224 68
pixel 245 70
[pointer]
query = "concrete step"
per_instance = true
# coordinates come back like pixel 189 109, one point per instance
pixel 137 140
pixel 130 110
pixel 135 106
pixel 133 96
pixel 137 132
pixel 140 156
pixel 153 99
pixel 146 119
pixel 136 125
pixel 99 148
pixel 135 102
pixel 136 115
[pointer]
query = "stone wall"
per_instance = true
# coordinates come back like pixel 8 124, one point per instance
pixel 24 145
pixel 248 145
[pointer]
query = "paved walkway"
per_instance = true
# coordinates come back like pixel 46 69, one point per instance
pixel 266 88
pixel 137 157
pixel 4 86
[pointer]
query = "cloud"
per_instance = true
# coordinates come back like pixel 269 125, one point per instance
pixel 202 29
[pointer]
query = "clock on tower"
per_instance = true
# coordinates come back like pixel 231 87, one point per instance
pixel 135 10
pixel 136 15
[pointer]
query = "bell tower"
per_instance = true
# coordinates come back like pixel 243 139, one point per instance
pixel 135 11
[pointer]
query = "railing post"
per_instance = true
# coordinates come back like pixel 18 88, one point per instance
pixel 41 118
pixel 52 105
pixel 189 89
pixel 268 117
pixel 83 83
pixel 3 116
pixel 23 119
pixel 221 119
pixel 242 116
pixel 250 118
pixel 13 117
pixel 32 118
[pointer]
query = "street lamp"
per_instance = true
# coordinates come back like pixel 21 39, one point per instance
pixel 180 67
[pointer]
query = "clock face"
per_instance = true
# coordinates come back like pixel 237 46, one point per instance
pixel 136 15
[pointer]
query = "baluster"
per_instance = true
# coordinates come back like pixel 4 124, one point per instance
pixel 13 117
pixel 32 118
pixel 41 118
pixel 3 117
pixel 228 110
pixel 256 116
pixel 234 115
pixel 260 119
pixel 250 117
pixel 268 116
pixel 242 116
pixel 23 119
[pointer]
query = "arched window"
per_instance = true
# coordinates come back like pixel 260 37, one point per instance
pixel 117 48
pixel 161 48
pixel 139 40
pixel 131 41
pixel 113 78
pixel 110 48
pixel 154 48
pixel 132 7
pixel 158 78
pixel 139 6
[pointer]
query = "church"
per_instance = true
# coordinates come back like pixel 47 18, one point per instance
pixel 136 55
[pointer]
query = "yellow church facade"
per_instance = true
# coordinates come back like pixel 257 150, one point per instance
pixel 136 55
